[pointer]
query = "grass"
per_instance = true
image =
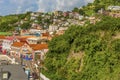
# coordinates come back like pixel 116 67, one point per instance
pixel 5 33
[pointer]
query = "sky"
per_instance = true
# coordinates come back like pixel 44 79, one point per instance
pixel 20 6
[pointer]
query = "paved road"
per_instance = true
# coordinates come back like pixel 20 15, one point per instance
pixel 29 64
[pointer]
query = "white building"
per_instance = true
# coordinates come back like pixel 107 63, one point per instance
pixel 33 40
pixel 33 31
pixel 6 45
pixel 53 28
pixel 115 8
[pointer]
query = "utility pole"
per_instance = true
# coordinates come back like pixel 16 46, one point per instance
pixel 21 59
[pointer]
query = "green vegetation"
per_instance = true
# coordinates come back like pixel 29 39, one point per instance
pixel 6 23
pixel 10 22
pixel 5 33
pixel 92 8
pixel 80 11
pixel 86 53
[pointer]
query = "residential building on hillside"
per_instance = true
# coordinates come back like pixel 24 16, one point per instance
pixel 45 36
pixel 61 30
pixel 40 50
pixel 33 40
pixel 53 28
pixel 33 31
pixel 6 45
pixel 16 48
pixel 115 8
pixel 2 38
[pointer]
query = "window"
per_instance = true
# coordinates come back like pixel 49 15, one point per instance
pixel 5 75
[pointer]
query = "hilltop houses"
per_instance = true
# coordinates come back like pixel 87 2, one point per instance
pixel 113 11
pixel 114 8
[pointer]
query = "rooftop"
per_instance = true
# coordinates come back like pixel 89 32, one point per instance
pixel 2 37
pixel 16 72
pixel 18 44
pixel 40 46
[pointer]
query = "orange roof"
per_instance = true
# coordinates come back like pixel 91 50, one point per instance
pixel 18 44
pixel 40 47
pixel 19 37
pixel 23 40
pixel 45 34
pixel 32 45
pixel 2 37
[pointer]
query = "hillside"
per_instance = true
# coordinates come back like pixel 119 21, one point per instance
pixel 10 22
pixel 92 8
pixel 86 53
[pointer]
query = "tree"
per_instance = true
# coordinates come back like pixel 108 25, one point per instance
pixel 75 9
pixel 81 11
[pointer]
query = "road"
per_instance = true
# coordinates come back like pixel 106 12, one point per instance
pixel 27 63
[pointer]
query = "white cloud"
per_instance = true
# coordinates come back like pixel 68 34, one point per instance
pixel 19 9
pixel 20 6
pixel 48 5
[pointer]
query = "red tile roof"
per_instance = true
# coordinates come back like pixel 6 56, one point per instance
pixel 40 47
pixel 32 45
pixel 10 38
pixel 46 34
pixel 22 39
pixel 2 37
pixel 18 44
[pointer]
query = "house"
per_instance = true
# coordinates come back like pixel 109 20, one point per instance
pixel 34 31
pixel 1 41
pixel 45 36
pixel 65 14
pixel 23 38
pixel 34 16
pixel 6 45
pixel 61 30
pixel 12 72
pixel 33 40
pixel 82 23
pixel 101 11
pixel 76 15
pixel 53 28
pixel 24 32
pixel 81 17
pixel 20 48
pixel 115 14
pixel 92 20
pixel 36 26
pixel 2 38
pixel 39 51
pixel 16 48
pixel 114 8
pixel 26 52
